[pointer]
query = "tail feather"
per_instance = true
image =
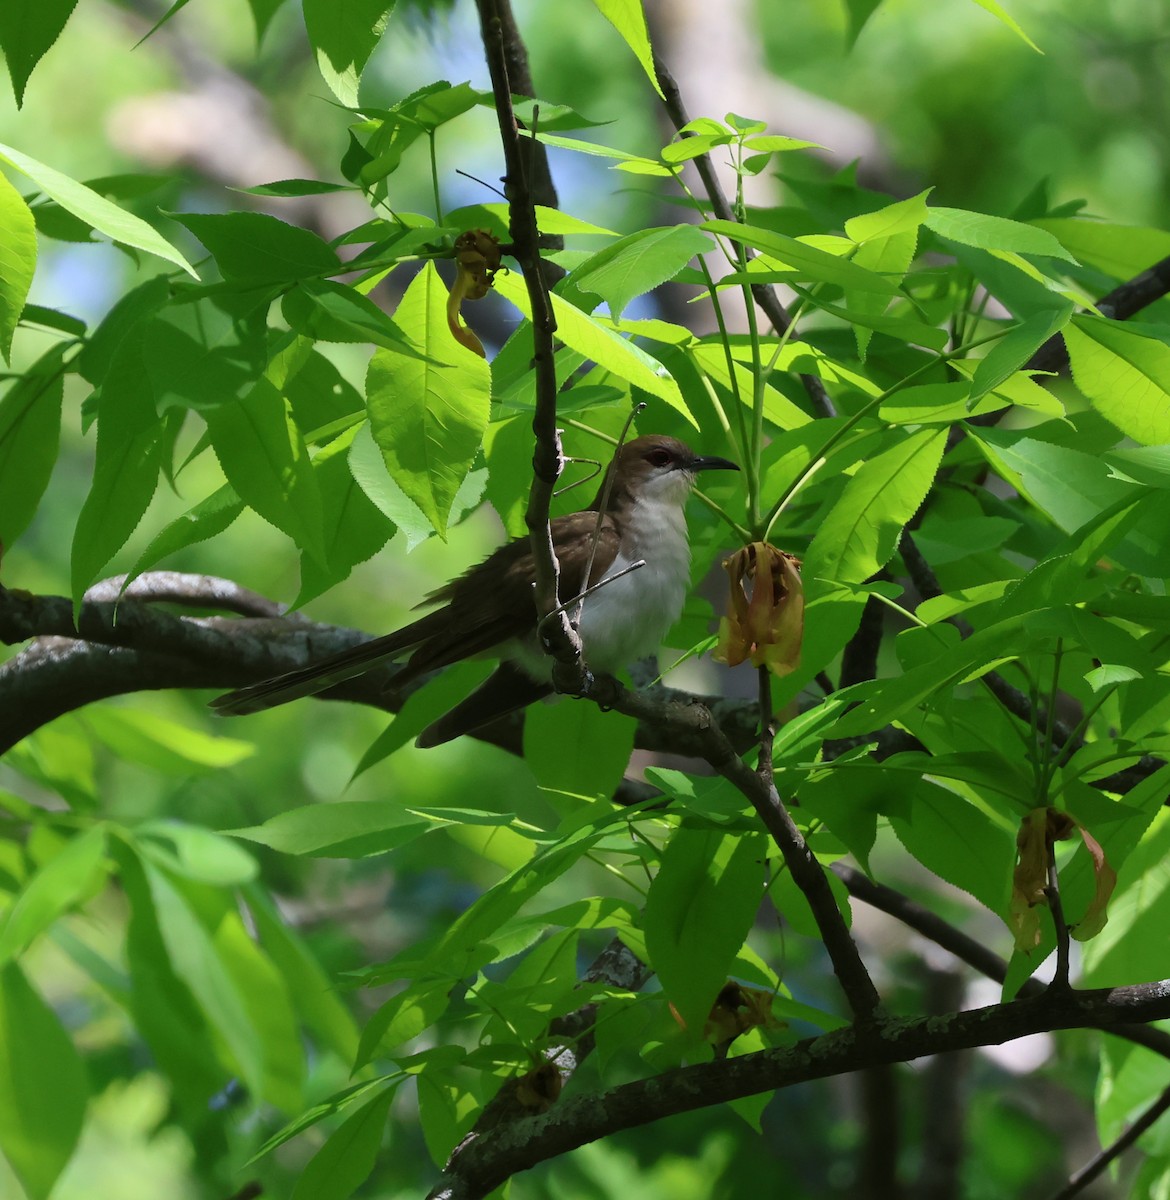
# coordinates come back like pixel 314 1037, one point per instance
pixel 317 677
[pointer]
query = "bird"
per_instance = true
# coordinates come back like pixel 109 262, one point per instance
pixel 490 611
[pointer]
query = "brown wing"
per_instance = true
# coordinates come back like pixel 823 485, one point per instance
pixel 470 624
pixel 474 625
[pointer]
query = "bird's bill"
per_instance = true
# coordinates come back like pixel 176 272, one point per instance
pixel 708 462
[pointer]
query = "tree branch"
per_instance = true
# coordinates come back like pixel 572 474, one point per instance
pixel 548 461
pixel 484 1163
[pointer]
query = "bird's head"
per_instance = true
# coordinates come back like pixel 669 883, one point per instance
pixel 655 467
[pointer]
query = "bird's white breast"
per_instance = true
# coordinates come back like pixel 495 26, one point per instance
pixel 628 618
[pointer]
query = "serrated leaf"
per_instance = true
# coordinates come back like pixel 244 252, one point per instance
pixel 804 260
pixel 603 346
pixel 28 28
pixel 105 216
pixel 204 520
pixel 637 264
pixel 255 248
pixel 993 233
pixel 699 909
pixel 428 418
pixel 343 36
pixel 265 460
pixel 18 258
pixel 862 530
pixel 126 468
pixel 43 1091
pixel 354 528
pixel 331 312
pixel 1125 376
pixel 627 17
pixel 30 426
pixel 1011 352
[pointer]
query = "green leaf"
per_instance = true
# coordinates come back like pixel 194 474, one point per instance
pixel 355 529
pixel 42 1086
pixel 262 13
pixel 343 36
pixel 255 248
pixel 196 853
pixel 86 204
pixel 862 530
pixel 18 256
pixel 959 842
pixel 997 10
pixel 344 829
pixel 859 12
pixel 1125 376
pixel 198 355
pixel 1011 352
pixel 129 454
pixel 346 1159
pixel 1122 251
pixel 265 460
pixel 603 346
pixel 805 261
pixel 369 470
pixel 30 427
pixel 198 962
pixel 903 216
pixel 627 17
pixel 64 880
pixel 1072 487
pixel 331 312
pixel 297 187
pixel 993 233
pixel 637 264
pixel 164 746
pixel 204 520
pixel 28 28
pixel 699 909
pixel 313 992
pixel 428 418
pixel 576 749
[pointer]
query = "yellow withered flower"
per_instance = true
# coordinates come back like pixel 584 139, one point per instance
pixel 765 610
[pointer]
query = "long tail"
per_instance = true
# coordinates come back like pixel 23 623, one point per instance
pixel 317 677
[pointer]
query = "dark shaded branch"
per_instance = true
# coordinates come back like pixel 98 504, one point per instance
pixel 496 28
pixel 135 645
pixel 967 949
pixel 942 1107
pixel 1125 301
pixel 765 298
pixel 881 1121
pixel 485 1163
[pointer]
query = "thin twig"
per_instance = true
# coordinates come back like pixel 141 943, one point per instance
pixel 1098 1164
pixel 547 461
pixel 765 298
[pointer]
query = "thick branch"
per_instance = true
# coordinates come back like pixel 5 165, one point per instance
pixel 485 1163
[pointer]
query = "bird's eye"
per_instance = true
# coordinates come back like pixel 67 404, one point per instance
pixel 658 458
